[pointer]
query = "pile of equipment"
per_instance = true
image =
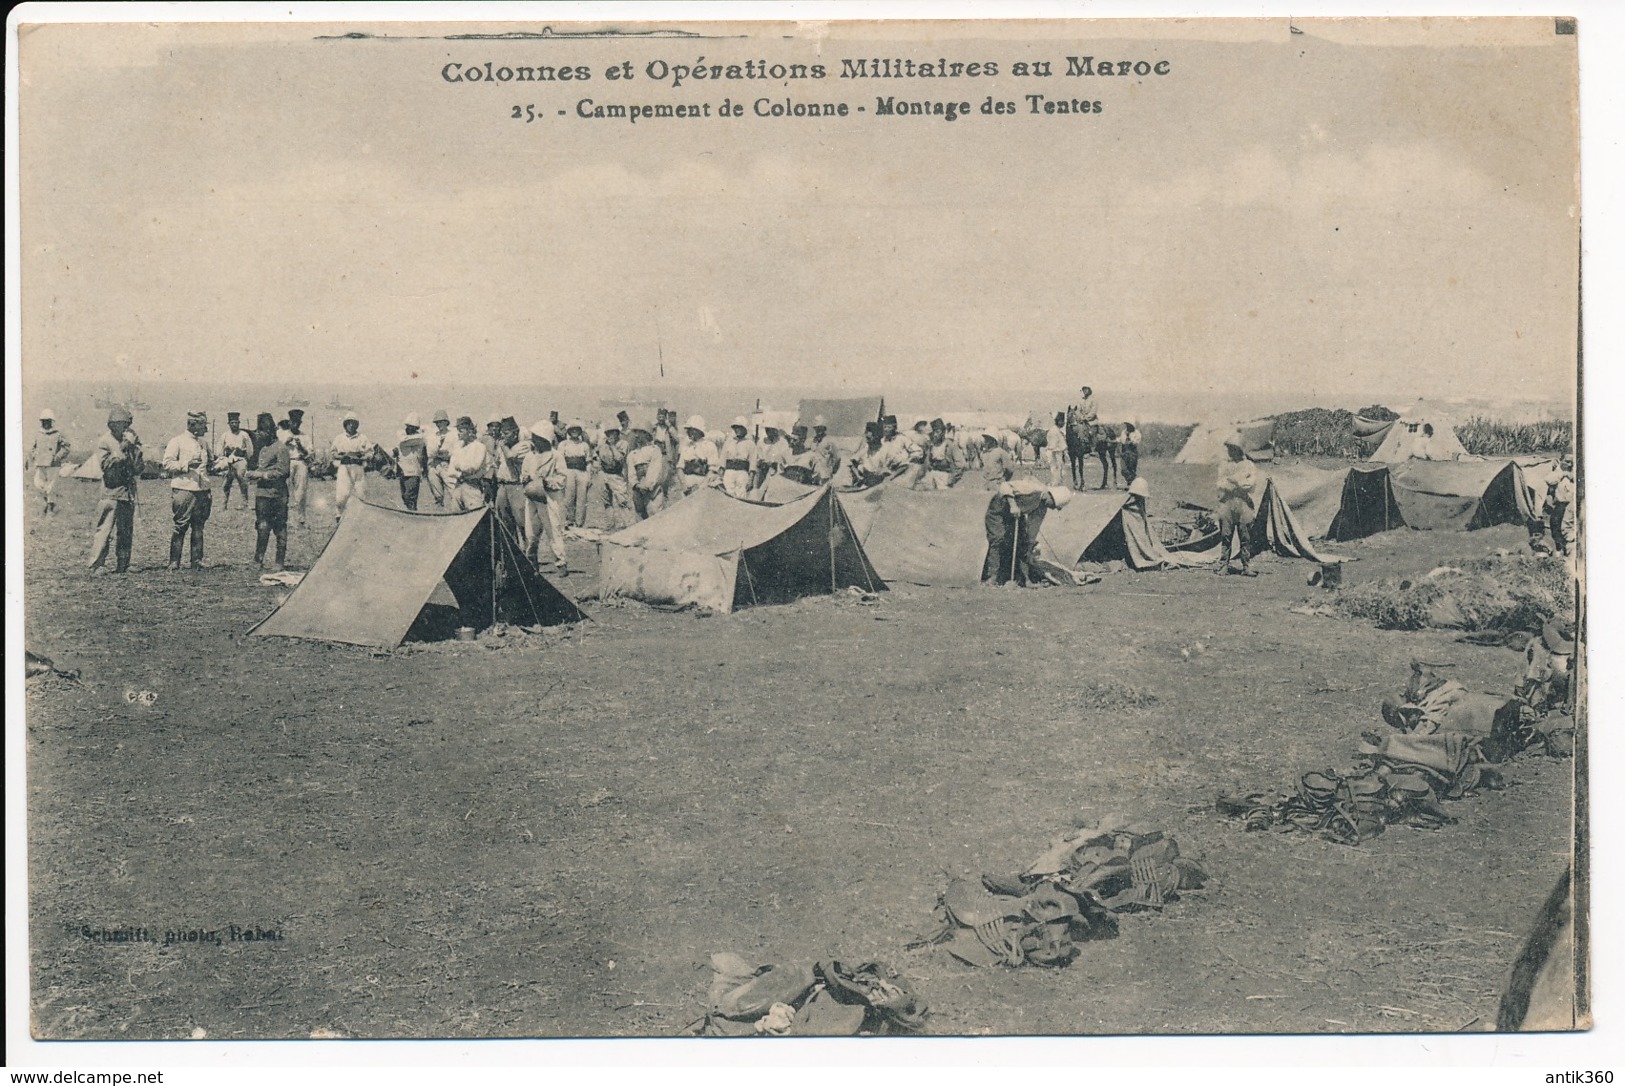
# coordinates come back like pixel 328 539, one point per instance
pixel 1064 898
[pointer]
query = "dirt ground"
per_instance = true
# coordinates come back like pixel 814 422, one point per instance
pixel 548 835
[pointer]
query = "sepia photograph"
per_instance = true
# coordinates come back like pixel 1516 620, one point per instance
pixel 701 529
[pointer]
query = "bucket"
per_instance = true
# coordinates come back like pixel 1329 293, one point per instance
pixel 465 633
pixel 1329 575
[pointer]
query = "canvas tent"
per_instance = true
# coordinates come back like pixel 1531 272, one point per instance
pixel 717 552
pixel 1275 530
pixel 1313 494
pixel 1206 443
pixel 1408 438
pixel 1125 536
pixel 388 574
pixel 1467 494
pixel 1366 505
pixel 90 469
pixel 846 418
pixel 938 537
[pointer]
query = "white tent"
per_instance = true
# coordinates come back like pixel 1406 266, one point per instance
pixel 1206 443
pixel 1425 432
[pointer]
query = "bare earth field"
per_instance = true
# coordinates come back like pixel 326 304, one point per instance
pixel 549 835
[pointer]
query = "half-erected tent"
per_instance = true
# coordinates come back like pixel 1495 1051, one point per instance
pixel 714 551
pixel 1275 529
pixel 1314 495
pixel 1111 531
pixel 1206 443
pixel 389 574
pixel 1465 494
pixel 939 537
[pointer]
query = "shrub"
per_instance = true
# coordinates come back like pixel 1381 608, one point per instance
pixel 1163 439
pixel 1487 437
pixel 1517 592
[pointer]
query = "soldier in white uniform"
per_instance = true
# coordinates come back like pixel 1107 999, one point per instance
pixel 541 472
pixel 351 451
pixel 468 468
pixel 46 458
pixel 738 460
pixel 437 450
pixel 610 459
pixel 577 456
pixel 698 463
pixel 186 461
pixel 235 449
pixel 646 471
pixel 292 435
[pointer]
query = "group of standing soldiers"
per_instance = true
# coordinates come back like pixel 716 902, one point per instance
pixel 264 458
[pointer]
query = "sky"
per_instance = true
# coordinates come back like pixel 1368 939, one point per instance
pixel 1355 209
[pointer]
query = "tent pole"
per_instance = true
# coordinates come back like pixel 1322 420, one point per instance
pixel 1015 545
pixel 830 497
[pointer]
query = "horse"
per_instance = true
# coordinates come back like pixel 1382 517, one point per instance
pixel 1080 441
pixel 1105 440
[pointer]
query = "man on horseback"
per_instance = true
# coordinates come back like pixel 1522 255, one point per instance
pixel 1080 434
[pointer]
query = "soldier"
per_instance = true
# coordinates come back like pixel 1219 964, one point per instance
pixel 1129 455
pixel 801 466
pixel 505 474
pixel 771 455
pixel 1560 507
pixel 611 457
pixel 186 462
pixel 646 471
pixel 269 472
pixel 411 460
pixel 46 458
pixel 996 465
pixel 1015 516
pixel 468 469
pixel 944 459
pixel 437 450
pixel 235 449
pixel 119 453
pixel 577 456
pixel 917 442
pixel 351 451
pixel 542 474
pixel 826 454
pixel 697 459
pixel 293 436
pixel 738 460
pixel 1238 478
pixel 1055 449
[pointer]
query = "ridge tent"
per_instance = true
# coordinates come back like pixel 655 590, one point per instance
pixel 1466 494
pixel 846 418
pixel 1367 505
pixel 1206 443
pixel 388 574
pixel 90 469
pixel 718 552
pixel 1408 437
